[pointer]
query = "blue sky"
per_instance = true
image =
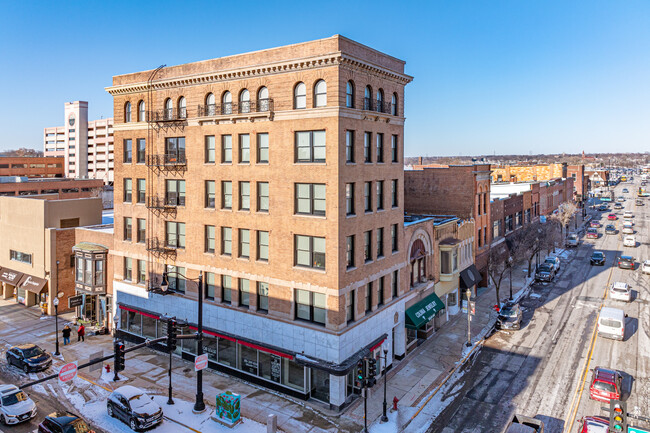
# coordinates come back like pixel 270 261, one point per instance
pixel 490 76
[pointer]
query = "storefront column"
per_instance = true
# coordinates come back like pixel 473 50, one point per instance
pixel 400 339
pixel 338 386
pixel 8 291
pixel 31 299
pixel 2 290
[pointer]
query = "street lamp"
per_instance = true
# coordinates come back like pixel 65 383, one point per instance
pixel 510 260
pixel 384 417
pixel 468 293
pixel 116 321
pixel 55 301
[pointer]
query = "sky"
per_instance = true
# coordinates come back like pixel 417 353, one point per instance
pixel 490 77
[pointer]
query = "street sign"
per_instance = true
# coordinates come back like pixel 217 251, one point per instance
pixel 472 307
pixel 75 301
pixel 60 294
pixel 636 430
pixel 68 372
pixel 542 219
pixel 200 362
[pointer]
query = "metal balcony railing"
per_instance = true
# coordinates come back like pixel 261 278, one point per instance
pixel 259 106
pixel 161 202
pixel 167 115
pixel 166 160
pixel 159 246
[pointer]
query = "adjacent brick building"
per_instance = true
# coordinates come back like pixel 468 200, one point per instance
pixel 32 167
pixel 62 188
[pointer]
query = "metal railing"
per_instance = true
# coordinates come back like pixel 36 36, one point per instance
pixel 156 245
pixel 167 159
pixel 379 106
pixel 161 202
pixel 167 115
pixel 259 106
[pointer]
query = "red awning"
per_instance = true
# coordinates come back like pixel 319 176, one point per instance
pixel 133 310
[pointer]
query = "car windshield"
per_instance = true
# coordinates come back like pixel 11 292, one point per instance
pixel 592 231
pixel 33 351
pixel 77 426
pixel 598 255
pixel 545 267
pixel 139 400
pixel 604 386
pixel 509 312
pixel 14 398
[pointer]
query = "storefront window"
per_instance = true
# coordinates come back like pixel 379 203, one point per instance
pixel 210 347
pixel 320 385
pixel 411 337
pixel 293 375
pixel 189 346
pixel 149 326
pixel 124 320
pixel 270 366
pixel 248 359
pixel 227 352
pixel 134 323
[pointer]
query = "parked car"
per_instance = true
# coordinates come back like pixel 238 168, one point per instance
pixel 597 258
pixel 612 217
pixel 595 224
pixel 620 291
pixel 572 241
pixel 592 233
pixel 645 267
pixel 610 229
pixel 628 214
pixel 15 405
pixel 593 424
pixel 509 317
pixel 625 190
pixel 629 241
pixel 606 385
pixel 64 422
pixel 626 262
pixel 29 357
pixel 134 407
pixel 545 272
pixel 555 262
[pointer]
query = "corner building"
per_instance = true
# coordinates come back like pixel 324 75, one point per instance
pixel 279 175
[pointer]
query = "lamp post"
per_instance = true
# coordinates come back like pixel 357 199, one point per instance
pixel 55 301
pixel 468 293
pixel 384 417
pixel 116 321
pixel 510 260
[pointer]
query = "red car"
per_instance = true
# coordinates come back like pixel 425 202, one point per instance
pixel 594 424
pixel 605 385
pixel 592 233
pixel 612 216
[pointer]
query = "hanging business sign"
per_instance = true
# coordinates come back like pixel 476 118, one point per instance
pixel 75 301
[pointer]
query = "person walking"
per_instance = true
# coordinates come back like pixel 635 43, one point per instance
pixel 81 332
pixel 66 335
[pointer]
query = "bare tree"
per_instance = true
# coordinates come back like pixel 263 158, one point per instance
pixel 498 264
pixel 565 212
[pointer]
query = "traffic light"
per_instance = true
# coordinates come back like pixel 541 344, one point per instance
pixel 372 372
pixel 617 416
pixel 172 333
pixel 360 374
pixel 119 360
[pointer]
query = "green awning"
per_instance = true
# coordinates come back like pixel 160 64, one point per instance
pixel 420 313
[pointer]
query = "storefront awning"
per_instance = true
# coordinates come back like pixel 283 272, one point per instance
pixel 10 276
pixel 469 277
pixel 423 311
pixel 31 283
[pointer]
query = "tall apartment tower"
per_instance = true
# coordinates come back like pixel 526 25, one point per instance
pixel 278 174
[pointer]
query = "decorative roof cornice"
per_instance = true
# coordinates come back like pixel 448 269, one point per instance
pixel 332 59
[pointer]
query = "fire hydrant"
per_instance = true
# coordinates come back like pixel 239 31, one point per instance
pixel 108 368
pixel 395 400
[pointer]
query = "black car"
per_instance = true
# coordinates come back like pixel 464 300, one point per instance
pixel 597 258
pixel 134 407
pixel 29 357
pixel 610 229
pixel 64 422
pixel 545 272
pixel 509 317
pixel 626 262
pixel 603 207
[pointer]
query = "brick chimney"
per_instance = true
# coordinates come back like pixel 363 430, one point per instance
pixel 419 160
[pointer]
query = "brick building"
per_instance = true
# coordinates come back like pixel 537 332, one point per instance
pixel 32 167
pixel 63 188
pixel 278 174
pixel 580 181
pixel 528 172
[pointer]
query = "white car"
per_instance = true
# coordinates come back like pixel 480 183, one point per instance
pixel 629 241
pixel 15 405
pixel 645 267
pixel 620 291
pixel 628 214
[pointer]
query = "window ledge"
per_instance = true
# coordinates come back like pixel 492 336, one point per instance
pixel 323 217
pixel 350 215
pixel 350 269
pixel 307 268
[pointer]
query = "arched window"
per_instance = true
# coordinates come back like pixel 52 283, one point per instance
pixel 226 103
pixel 141 111
pixel 210 105
pixel 367 98
pixel 182 108
pixel 244 101
pixel 349 95
pixel 320 94
pixel 127 112
pixel 263 99
pixel 418 263
pixel 380 101
pixel 300 96
pixel 393 105
pixel 169 108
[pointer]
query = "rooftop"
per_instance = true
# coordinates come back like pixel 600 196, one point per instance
pixel 437 219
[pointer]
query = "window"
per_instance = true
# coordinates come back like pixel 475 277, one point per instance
pixel 141 112
pixel 182 108
pixel 380 194
pixel 262 196
pixel 349 199
pixel 263 148
pixel 20 257
pixel 209 149
pixel 210 282
pixel 349 306
pixel 142 227
pixel 367 98
pixel 210 194
pixel 310 199
pixel 310 146
pixel 226 288
pixel 175 234
pixel 393 148
pixel 244 101
pixel 349 146
pixel 88 271
pixel 127 112
pixel 244 292
pixel 209 239
pixel 226 148
pixel 449 261
pixel 349 95
pixel 496 229
pixel 320 94
pixel 368 297
pixel 128 151
pixel 393 105
pixel 175 149
pixel 262 296
pixel 367 196
pixel 176 278
pixel 367 139
pixel 311 306
pixel 380 147
pixel 349 251
pixel 226 101
pixel 262 246
pixel 128 190
pixel 175 192
pixel 244 195
pixel 210 105
pixel 128 269
pixel 310 251
pixel 509 226
pixel 140 190
pixel 142 271
pixel 367 248
pixel 128 228
pixel 140 156
pixel 226 241
pixel 300 96
pixel 244 148
pixel 380 242
pixel 395 284
pixel 393 191
pixel 380 101
pixel 263 102
pixel 226 194
pixel 380 291
pixel 394 238
pixel 244 243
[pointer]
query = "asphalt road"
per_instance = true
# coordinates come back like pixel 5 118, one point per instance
pixel 542 370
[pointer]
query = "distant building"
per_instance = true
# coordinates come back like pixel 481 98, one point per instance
pixel 32 167
pixel 87 146
pixel 63 188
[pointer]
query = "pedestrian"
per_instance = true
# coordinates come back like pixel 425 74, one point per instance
pixel 81 332
pixel 66 335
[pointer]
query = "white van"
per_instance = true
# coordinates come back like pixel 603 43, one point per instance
pixel 611 323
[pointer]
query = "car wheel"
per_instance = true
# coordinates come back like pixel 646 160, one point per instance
pixel 26 368
pixel 3 421
pixel 133 425
pixel 109 410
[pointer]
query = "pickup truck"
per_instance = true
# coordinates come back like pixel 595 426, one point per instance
pixel 524 424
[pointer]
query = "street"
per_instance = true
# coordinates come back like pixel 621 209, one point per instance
pixel 540 370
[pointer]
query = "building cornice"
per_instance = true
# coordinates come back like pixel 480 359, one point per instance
pixel 327 60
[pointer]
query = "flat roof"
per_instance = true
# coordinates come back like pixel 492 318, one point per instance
pixel 437 219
